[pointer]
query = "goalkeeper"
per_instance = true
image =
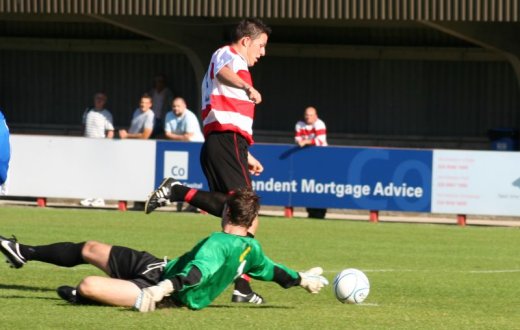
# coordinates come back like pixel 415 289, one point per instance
pixel 195 279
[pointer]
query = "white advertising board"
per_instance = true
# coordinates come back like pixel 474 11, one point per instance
pixel 77 167
pixel 476 182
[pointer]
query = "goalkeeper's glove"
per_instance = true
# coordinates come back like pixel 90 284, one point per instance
pixel 149 296
pixel 312 281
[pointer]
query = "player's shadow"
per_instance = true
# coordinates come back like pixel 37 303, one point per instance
pixel 235 306
pixel 24 288
pixel 29 297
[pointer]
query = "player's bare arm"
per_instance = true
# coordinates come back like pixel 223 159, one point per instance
pixel 230 78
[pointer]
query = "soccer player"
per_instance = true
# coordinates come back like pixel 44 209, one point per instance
pixel 5 152
pixel 228 108
pixel 195 279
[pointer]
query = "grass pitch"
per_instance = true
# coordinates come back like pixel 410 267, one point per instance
pixel 422 276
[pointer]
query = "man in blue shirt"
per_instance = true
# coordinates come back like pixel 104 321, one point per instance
pixel 181 124
pixel 5 151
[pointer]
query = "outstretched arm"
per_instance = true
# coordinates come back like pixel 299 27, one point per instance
pixel 310 280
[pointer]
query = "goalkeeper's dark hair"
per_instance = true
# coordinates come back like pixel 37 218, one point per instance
pixel 243 206
pixel 250 27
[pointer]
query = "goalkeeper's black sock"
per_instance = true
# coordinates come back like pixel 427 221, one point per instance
pixel 211 202
pixel 242 285
pixel 64 254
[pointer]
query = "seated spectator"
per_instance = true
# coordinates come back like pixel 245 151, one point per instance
pixel 181 124
pixel 311 132
pixel 97 123
pixel 142 123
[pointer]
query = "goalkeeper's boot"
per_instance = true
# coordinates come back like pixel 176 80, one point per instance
pixel 252 298
pixel 70 294
pixel 163 196
pixel 11 250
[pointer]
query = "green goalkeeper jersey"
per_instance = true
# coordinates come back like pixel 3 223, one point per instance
pixel 221 258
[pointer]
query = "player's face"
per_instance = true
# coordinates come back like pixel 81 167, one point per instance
pixel 256 49
pixel 178 107
pixel 145 104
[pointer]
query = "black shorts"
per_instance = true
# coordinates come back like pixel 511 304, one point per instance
pixel 138 267
pixel 223 159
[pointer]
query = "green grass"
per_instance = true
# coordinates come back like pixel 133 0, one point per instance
pixel 422 276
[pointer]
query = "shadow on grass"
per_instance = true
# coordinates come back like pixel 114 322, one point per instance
pixel 30 297
pixel 25 288
pixel 235 306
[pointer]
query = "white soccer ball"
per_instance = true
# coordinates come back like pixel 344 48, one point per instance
pixel 351 286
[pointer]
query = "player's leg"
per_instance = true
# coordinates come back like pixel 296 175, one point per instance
pixel 129 272
pixel 109 291
pixel 172 190
pixel 65 254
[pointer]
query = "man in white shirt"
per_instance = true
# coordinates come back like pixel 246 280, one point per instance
pixel 98 123
pixel 97 120
pixel 181 124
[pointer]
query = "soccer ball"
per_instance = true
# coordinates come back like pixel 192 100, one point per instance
pixel 351 286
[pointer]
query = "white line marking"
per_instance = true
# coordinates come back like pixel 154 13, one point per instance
pixel 484 271
pixel 498 271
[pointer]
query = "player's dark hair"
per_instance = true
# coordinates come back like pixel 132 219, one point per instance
pixel 243 206
pixel 250 27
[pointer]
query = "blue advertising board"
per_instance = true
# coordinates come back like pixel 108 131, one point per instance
pixel 320 177
pixel 179 160
pixel 342 177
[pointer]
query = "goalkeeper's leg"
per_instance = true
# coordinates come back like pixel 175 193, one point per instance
pixel 109 291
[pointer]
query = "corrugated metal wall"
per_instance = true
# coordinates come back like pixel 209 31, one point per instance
pixel 385 97
pixel 428 98
pixel 441 10
pixel 55 87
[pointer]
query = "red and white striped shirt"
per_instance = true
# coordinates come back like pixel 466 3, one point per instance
pixel 317 132
pixel 226 108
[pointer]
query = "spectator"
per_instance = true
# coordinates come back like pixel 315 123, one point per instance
pixel 98 123
pixel 181 124
pixel 162 98
pixel 312 132
pixel 142 123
